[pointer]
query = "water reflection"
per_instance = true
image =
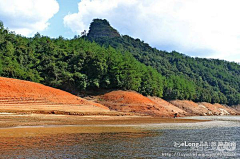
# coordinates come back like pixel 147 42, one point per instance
pixel 151 142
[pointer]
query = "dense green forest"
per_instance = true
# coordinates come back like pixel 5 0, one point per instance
pixel 74 65
pixel 215 81
pixel 105 60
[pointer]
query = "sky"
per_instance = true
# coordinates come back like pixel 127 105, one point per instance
pixel 198 28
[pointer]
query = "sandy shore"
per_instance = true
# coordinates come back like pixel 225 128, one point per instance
pixel 30 125
pixel 15 120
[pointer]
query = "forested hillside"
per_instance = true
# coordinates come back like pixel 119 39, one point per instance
pixel 216 81
pixel 74 65
pixel 116 62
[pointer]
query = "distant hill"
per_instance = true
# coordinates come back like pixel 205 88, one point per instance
pixel 116 62
pixel 75 65
pixel 216 81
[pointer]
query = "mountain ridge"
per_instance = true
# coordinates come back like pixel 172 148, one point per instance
pixel 120 62
pixel 213 77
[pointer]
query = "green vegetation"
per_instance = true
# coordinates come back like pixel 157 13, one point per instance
pixel 74 65
pixel 215 81
pixel 112 61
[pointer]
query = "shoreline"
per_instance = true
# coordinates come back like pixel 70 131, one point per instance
pixel 40 125
pixel 37 125
pixel 10 120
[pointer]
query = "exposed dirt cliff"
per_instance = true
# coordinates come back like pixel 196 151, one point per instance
pixel 130 101
pixel 18 95
pixel 29 97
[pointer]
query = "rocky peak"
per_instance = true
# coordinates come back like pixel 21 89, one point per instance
pixel 101 28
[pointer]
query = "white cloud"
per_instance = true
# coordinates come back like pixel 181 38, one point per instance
pixel 201 28
pixel 27 17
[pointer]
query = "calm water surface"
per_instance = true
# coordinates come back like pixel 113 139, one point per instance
pixel 219 138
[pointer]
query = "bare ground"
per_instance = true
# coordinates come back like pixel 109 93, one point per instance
pixel 16 120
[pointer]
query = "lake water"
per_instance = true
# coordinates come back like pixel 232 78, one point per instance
pixel 219 138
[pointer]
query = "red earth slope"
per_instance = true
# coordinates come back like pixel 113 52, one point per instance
pixel 130 101
pixel 29 96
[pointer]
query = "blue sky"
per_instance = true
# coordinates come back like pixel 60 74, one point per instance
pixel 56 27
pixel 198 28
